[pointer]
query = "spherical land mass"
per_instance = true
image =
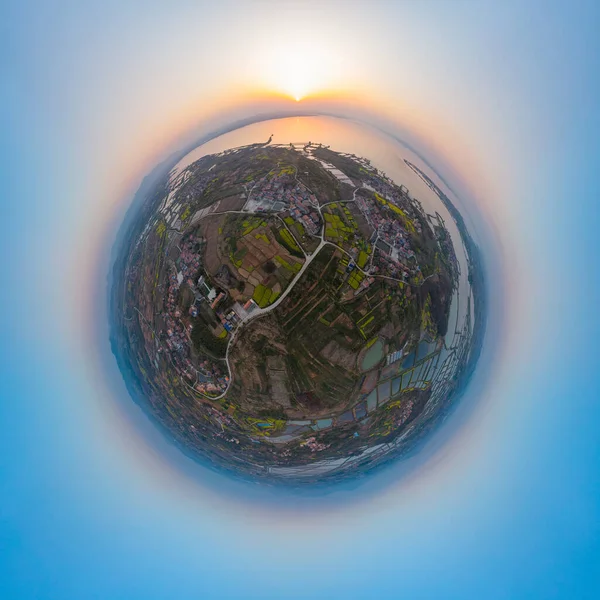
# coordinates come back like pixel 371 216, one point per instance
pixel 289 313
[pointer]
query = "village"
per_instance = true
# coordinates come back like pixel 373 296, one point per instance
pixel 218 307
pixel 227 255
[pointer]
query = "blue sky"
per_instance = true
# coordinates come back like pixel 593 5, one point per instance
pixel 506 501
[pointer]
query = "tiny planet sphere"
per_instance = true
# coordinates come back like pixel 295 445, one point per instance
pixel 288 313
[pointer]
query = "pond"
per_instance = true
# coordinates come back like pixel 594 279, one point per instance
pixel 408 361
pixel 373 356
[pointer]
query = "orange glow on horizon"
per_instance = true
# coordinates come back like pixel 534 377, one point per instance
pixel 201 115
pixel 186 122
pixel 228 105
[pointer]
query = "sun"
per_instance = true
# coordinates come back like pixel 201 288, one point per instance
pixel 299 77
pixel 299 72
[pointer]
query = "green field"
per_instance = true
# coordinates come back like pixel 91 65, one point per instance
pixel 288 240
pixel 263 296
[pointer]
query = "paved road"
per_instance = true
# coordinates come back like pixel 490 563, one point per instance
pixel 260 312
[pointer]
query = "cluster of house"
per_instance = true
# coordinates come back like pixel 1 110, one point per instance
pixel 302 209
pixel 389 264
pixel 312 444
pixel 277 189
pixel 237 314
pixel 280 192
pixel 221 418
pixel 213 384
pixel 177 338
pixel 390 237
pixel 206 375
pixel 189 259
pixel 398 195
pixel 394 235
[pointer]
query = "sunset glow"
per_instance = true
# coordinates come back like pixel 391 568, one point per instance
pixel 101 105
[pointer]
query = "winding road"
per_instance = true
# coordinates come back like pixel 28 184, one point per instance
pixel 309 258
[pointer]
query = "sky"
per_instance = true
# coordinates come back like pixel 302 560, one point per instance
pixel 504 502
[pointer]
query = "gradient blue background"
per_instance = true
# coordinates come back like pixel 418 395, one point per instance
pixel 503 503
